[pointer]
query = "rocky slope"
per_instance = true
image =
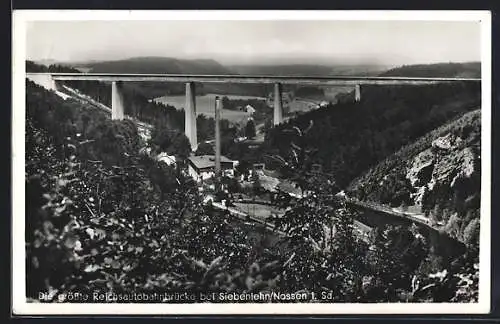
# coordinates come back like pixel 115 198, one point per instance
pixel 450 160
pixel 438 176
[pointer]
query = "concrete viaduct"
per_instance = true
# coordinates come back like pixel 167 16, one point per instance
pixel 50 80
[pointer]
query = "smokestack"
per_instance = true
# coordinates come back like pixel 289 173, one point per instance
pixel 218 107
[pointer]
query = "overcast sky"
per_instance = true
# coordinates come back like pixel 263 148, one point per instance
pixel 242 42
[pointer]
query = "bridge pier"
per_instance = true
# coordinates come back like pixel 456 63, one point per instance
pixel 190 115
pixel 54 85
pixel 117 108
pixel 218 107
pixel 278 104
pixel 357 93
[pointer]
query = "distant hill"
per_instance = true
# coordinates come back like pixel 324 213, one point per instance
pixel 308 69
pixel 450 70
pixel 47 62
pixel 173 66
pixel 158 65
pixel 155 64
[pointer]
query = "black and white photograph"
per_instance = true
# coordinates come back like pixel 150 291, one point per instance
pixel 251 162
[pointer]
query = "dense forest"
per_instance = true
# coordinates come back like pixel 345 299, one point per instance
pixel 415 148
pixel 449 70
pixel 386 149
pixel 308 69
pixel 103 217
pixel 350 137
pixel 440 173
pixel 309 91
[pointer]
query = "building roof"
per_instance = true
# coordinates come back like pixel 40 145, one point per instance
pixel 207 161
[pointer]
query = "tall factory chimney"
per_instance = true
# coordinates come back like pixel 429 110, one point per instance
pixel 218 107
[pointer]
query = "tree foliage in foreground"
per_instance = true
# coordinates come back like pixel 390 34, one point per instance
pixel 101 217
pixel 330 255
pixel 127 224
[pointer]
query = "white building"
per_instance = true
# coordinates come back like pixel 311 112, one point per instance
pixel 202 167
pixel 249 109
pixel 164 157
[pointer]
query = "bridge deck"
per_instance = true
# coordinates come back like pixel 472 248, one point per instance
pixel 253 79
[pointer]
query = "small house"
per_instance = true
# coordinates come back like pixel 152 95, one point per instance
pixel 165 158
pixel 249 109
pixel 202 167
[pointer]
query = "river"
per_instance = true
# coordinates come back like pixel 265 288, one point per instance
pixel 441 245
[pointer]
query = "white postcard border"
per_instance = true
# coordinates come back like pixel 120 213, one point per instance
pixel 21 307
